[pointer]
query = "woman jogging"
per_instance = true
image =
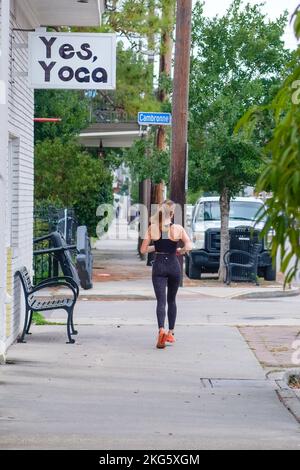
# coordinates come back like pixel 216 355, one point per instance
pixel 166 271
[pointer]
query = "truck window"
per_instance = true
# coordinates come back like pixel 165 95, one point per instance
pixel 210 211
pixel 200 213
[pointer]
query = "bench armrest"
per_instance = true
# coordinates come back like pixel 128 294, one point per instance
pixel 239 252
pixel 52 283
pixel 60 249
pixel 60 279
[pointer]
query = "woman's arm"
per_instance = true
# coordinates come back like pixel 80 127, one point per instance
pixel 146 248
pixel 188 245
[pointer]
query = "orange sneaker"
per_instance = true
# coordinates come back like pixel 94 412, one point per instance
pixel 170 338
pixel 161 341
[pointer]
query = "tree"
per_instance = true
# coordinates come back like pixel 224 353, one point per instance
pixel 281 175
pixel 135 18
pixel 65 175
pixel 165 83
pixel 156 167
pixel 134 89
pixel 69 177
pixel 70 105
pixel 148 25
pixel 134 21
pixel 238 60
pixel 138 22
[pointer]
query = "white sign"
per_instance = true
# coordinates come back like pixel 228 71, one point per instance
pixel 72 60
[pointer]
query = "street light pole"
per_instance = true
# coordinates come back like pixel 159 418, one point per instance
pixel 180 103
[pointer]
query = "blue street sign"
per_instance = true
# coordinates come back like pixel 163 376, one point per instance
pixel 154 119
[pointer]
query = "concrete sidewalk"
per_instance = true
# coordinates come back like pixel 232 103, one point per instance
pixel 116 259
pixel 208 312
pixel 143 289
pixel 139 290
pixel 119 274
pixel 114 390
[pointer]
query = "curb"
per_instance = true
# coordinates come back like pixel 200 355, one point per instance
pixel 268 295
pixel 117 297
pixel 84 296
pixel 286 394
pixel 290 401
pixel 250 295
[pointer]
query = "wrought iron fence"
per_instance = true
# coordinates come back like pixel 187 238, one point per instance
pixel 46 220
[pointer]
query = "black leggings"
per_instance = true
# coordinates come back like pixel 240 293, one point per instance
pixel 166 273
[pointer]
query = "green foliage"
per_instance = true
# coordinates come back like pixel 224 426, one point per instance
pixel 281 175
pixel 134 90
pixel 139 23
pixel 166 84
pixel 142 24
pixel 38 319
pixel 144 161
pixel 238 60
pixel 225 162
pixel 65 175
pixel 192 198
pixel 138 16
pixel 69 105
pixel 137 19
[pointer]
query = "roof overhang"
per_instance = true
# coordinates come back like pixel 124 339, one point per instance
pixel 112 135
pixel 63 12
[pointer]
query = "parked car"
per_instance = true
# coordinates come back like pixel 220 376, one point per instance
pixel 188 215
pixel 205 233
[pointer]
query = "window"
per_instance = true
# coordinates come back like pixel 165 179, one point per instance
pixel 210 211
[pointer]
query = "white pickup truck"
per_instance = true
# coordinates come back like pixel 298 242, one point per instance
pixel 205 233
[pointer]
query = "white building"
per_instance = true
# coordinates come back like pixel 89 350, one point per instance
pixel 17 17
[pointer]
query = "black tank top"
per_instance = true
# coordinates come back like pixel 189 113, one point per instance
pixel 164 244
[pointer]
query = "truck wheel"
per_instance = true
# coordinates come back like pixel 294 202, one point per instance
pixel 270 273
pixel 194 271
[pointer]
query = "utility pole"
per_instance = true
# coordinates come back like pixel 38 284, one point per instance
pixel 180 108
pixel 180 103
pixel 165 68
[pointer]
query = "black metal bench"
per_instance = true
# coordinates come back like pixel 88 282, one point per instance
pixel 241 261
pixel 59 256
pixel 33 304
pixel 60 252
